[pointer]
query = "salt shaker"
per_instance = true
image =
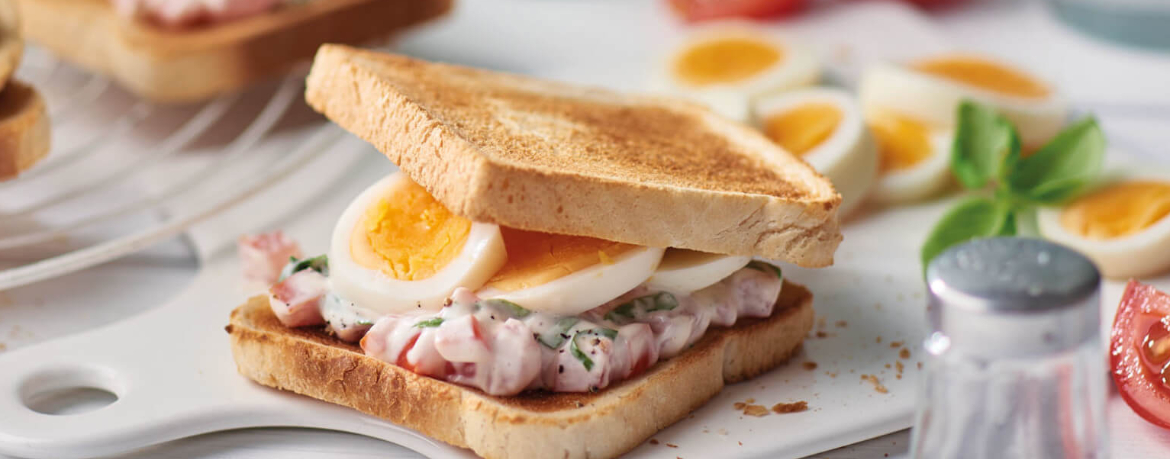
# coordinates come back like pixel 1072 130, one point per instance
pixel 1014 362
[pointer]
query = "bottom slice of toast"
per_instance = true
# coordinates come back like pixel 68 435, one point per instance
pixel 537 424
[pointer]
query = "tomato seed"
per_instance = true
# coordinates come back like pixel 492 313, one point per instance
pixel 1157 343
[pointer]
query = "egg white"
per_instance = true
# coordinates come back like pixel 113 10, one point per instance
pixel 1143 253
pixel 587 288
pixel 684 271
pixel 923 180
pixel 482 255
pixel 848 157
pixel 799 67
pixel 934 99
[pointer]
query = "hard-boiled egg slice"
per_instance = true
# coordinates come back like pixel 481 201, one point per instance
pixel 729 66
pixel 913 158
pixel 825 127
pixel 396 249
pixel 930 90
pixel 567 274
pixel 684 271
pixel 1121 226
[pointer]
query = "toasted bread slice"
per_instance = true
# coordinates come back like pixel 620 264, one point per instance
pixel 541 424
pixel 559 158
pixel 192 64
pixel 24 129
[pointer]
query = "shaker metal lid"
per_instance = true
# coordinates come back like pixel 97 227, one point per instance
pixel 1012 296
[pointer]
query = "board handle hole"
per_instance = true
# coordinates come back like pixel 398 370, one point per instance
pixel 70 391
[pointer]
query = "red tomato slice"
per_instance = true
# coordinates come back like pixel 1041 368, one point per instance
pixel 703 10
pixel 1140 352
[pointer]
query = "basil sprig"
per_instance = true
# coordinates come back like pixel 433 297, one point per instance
pixel 986 151
pixel 319 263
pixel 598 332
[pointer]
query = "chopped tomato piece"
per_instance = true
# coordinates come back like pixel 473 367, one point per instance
pixel 703 10
pixel 1140 352
pixel 402 361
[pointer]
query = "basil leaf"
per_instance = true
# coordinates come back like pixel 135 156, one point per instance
pixel 973 218
pixel 985 145
pixel 1063 167
pixel 766 267
pixel 514 309
pixel 430 323
pixel 663 301
pixel 556 337
pixel 601 332
pixel 623 312
pixel 319 263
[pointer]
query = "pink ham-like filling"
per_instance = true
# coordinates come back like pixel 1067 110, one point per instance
pixel 178 13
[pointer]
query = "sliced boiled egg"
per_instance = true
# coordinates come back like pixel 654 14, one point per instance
pixel 825 127
pixel 396 249
pixel 569 275
pixel 684 271
pixel 1121 226
pixel 913 158
pixel 930 90
pixel 727 67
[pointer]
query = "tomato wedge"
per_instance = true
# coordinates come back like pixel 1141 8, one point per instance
pixel 703 10
pixel 1139 352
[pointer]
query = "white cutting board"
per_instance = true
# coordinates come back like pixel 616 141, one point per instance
pixel 171 367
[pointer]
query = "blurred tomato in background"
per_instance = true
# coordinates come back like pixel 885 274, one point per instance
pixel 704 10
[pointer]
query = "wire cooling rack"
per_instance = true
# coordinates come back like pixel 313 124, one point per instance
pixel 124 174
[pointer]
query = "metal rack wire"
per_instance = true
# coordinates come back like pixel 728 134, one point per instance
pixel 124 174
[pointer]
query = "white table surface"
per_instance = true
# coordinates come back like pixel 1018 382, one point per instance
pixel 1119 84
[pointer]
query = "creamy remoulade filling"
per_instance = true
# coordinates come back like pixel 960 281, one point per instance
pixel 186 12
pixel 502 348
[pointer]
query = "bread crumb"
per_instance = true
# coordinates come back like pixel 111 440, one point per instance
pixel 653 441
pixel 895 344
pixel 810 366
pixel 878 340
pixel 740 443
pixel 831 375
pixel 739 405
pixel 905 353
pixel 672 445
pixel 795 407
pixel 898 376
pixel 898 366
pixel 877 384
pixel 3 347
pixel 756 410
pixel 887 366
pixel 750 400
pixel 842 324
pixel 919 365
pixel 821 334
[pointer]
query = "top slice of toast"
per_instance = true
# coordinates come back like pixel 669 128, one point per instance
pixel 559 158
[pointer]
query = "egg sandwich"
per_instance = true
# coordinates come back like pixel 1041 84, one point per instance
pixel 556 270
pixel 24 118
pixel 176 51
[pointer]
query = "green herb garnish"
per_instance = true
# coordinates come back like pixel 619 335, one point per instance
pixel 599 332
pixel 986 151
pixel 430 323
pixel 766 267
pixel 319 263
pixel 514 309
pixel 557 336
pixel 623 312
pixel 663 301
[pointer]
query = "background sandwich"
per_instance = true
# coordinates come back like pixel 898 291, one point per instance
pixel 557 270
pixel 24 119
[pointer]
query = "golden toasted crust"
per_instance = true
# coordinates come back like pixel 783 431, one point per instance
pixel 24 129
pixel 11 40
pixel 186 65
pixel 553 157
pixel 539 424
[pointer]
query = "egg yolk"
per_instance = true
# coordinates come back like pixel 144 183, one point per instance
pixel 725 60
pixel 407 234
pixel 804 128
pixel 984 74
pixel 902 142
pixel 1119 210
pixel 538 258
